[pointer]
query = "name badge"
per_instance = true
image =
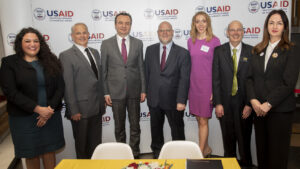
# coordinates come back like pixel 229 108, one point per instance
pixel 204 48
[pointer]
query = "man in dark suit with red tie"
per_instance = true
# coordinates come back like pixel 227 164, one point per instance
pixel 230 68
pixel 123 79
pixel 167 68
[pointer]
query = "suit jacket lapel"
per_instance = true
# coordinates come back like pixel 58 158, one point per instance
pixel 116 46
pixel 171 55
pixel 81 57
pixel 97 59
pixel 242 56
pixel 271 59
pixel 228 57
pixel 157 56
pixel 131 42
pixel 262 56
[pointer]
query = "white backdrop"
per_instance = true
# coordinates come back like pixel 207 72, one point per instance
pixel 54 19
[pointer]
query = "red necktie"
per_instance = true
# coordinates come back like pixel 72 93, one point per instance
pixel 163 59
pixel 124 51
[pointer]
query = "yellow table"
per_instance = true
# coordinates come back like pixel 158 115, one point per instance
pixel 228 163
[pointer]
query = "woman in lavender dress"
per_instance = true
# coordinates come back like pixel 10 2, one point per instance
pixel 201 46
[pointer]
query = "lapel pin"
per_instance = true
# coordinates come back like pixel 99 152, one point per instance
pixel 245 59
pixel 274 55
pixel 261 54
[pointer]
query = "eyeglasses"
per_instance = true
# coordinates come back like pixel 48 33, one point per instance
pixel 167 30
pixel 235 30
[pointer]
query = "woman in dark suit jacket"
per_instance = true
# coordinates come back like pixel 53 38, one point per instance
pixel 272 77
pixel 32 81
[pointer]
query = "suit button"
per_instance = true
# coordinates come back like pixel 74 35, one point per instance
pixel 125 67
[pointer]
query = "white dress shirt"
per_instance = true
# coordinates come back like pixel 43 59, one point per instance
pixel 119 39
pixel 238 52
pixel 269 51
pixel 82 49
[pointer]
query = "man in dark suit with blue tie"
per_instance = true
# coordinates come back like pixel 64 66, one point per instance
pixel 167 68
pixel 230 68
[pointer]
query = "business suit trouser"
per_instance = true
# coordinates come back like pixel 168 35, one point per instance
pixel 87 133
pixel 119 113
pixel 157 119
pixel 273 133
pixel 235 129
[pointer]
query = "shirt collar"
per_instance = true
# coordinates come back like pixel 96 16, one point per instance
pixel 81 48
pixel 120 38
pixel 273 45
pixel 168 45
pixel 238 47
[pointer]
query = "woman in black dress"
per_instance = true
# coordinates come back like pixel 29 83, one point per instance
pixel 272 78
pixel 32 81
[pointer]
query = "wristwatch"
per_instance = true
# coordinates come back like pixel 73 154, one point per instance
pixel 269 104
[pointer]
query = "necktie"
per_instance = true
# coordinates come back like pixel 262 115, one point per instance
pixel 234 82
pixel 163 59
pixel 124 51
pixel 93 65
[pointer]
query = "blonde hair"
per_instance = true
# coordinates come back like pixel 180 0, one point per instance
pixel 194 32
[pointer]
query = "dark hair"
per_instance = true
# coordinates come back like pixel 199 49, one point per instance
pixel 48 60
pixel 123 14
pixel 284 42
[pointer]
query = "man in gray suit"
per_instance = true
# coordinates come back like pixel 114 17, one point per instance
pixel 167 68
pixel 84 92
pixel 230 70
pixel 123 79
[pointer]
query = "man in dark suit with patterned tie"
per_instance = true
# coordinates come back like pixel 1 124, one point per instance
pixel 123 80
pixel 84 92
pixel 167 69
pixel 230 68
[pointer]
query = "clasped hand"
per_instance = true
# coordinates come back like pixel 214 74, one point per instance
pixel 44 114
pixel 260 109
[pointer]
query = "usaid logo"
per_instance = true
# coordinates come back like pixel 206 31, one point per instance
pixel 110 15
pixel 253 7
pixel 274 4
pixel 106 120
pixel 144 116
pixel 189 116
pixel 162 14
pixel 94 38
pixel 215 11
pixel 53 15
pixel 11 39
pixel 148 13
pixel 39 14
pixel 252 32
pixel 96 15
pixel 200 8
pixel 46 37
pixel 177 34
pixel 144 35
pixel 267 6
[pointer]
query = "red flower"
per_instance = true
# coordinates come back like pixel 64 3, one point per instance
pixel 134 165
